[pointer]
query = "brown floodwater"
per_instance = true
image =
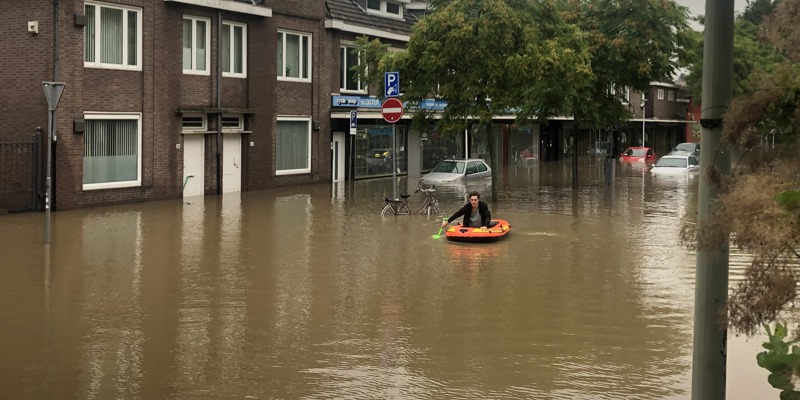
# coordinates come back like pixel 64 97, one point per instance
pixel 307 292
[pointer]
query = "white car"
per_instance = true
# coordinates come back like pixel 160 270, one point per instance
pixel 676 165
pixel 458 171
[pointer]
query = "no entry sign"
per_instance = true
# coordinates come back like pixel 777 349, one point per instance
pixel 392 110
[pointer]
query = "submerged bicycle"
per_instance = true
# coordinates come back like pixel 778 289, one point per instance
pixel 396 206
pixel 428 206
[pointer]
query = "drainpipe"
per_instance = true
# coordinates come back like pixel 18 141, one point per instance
pixel 219 101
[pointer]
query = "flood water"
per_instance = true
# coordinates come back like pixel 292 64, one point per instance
pixel 307 293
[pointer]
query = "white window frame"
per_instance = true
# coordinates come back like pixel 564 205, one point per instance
pixel 671 95
pixel 228 118
pixel 344 71
pixel 119 116
pixel 232 25
pixel 203 123
pixel 384 12
pixel 660 94
pixel 193 70
pixel 298 170
pixel 627 94
pixel 282 38
pixel 98 38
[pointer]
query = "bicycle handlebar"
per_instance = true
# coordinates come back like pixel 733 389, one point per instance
pixel 427 191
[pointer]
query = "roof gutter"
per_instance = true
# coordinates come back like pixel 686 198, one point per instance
pixel 226 5
pixel 343 26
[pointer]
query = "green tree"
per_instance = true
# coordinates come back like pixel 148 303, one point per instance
pixel 486 58
pixel 632 43
pixel 751 50
pixel 533 59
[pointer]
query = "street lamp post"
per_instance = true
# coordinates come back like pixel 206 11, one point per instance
pixel 644 99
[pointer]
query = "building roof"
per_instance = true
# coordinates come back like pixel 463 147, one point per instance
pixel 351 13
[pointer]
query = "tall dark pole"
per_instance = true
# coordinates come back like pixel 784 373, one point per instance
pixel 711 284
pixel 52 92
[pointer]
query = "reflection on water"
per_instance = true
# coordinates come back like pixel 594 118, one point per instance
pixel 307 292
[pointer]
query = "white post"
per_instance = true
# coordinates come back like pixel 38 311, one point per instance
pixel 643 121
pixel 394 164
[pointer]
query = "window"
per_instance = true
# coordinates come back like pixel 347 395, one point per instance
pixel 233 122
pixel 234 50
pixel 393 8
pixel 661 94
pixel 348 58
pixel 294 56
pixel 671 95
pixel 293 146
pixel 627 94
pixel 112 37
pixel 194 122
pixel 112 156
pixel 385 7
pixel 196 37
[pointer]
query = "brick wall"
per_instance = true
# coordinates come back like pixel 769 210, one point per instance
pixel 159 90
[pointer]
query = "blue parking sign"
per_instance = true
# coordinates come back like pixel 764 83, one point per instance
pixel 353 121
pixel 391 84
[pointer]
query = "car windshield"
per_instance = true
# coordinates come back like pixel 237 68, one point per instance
pixel 451 167
pixel 636 152
pixel 686 147
pixel 672 163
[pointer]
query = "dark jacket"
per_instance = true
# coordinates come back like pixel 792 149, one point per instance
pixel 483 209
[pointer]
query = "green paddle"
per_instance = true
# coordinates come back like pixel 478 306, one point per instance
pixel 438 235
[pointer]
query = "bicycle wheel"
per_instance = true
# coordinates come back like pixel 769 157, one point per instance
pixel 403 210
pixel 434 208
pixel 387 210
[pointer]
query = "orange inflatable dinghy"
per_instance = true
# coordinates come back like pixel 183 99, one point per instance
pixel 497 229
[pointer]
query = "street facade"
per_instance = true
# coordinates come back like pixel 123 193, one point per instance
pixel 184 98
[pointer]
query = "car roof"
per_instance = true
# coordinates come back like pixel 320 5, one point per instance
pixel 638 147
pixel 464 159
pixel 677 156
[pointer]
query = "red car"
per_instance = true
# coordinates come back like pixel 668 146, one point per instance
pixel 638 154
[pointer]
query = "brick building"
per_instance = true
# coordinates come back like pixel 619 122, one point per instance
pixel 170 98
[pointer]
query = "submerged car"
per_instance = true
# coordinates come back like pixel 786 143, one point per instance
pixel 638 154
pixel 676 165
pixel 687 149
pixel 457 171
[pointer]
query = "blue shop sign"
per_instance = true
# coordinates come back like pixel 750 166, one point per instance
pixel 433 105
pixel 373 102
pixel 355 101
pixel 380 131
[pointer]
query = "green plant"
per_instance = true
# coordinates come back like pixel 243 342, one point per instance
pixel 782 360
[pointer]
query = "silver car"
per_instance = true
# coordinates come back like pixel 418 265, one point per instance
pixel 460 170
pixel 687 149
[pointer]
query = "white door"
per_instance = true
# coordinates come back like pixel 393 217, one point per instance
pixel 337 157
pixel 231 162
pixel 193 165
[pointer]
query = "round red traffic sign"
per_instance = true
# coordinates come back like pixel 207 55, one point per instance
pixel 392 110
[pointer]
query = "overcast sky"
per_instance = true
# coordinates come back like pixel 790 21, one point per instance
pixel 699 6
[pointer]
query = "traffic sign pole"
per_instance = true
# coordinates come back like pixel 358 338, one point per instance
pixel 392 111
pixel 394 164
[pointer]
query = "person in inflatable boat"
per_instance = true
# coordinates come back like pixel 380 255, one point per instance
pixel 476 213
